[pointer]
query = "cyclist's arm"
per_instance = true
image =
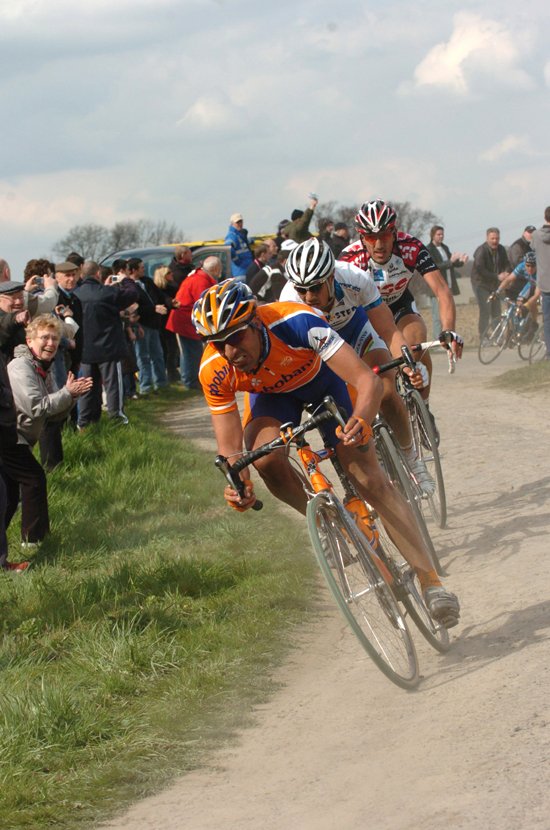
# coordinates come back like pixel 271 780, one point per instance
pixel 507 282
pixel 383 323
pixel 229 436
pixel 347 364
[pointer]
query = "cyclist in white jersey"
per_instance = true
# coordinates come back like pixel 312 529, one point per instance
pixel 391 257
pixel 353 307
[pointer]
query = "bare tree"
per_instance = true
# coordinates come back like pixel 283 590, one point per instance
pixel 90 241
pixel 96 242
pixel 414 220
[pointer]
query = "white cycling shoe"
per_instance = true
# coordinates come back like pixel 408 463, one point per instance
pixel 424 479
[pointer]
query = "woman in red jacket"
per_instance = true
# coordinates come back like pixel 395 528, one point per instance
pixel 179 321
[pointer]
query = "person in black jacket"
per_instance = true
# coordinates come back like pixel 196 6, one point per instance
pixel 152 308
pixel 491 266
pixel 521 246
pixel 104 343
pixel 182 264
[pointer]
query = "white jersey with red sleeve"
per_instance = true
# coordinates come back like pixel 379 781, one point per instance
pixel 393 277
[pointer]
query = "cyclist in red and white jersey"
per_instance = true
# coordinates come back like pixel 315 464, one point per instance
pixel 391 257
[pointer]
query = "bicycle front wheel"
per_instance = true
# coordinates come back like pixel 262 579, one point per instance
pixel 538 347
pixel 362 594
pixel 494 339
pixel 400 478
pixel 425 443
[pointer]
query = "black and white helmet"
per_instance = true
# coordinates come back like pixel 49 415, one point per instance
pixel 310 263
pixel 375 216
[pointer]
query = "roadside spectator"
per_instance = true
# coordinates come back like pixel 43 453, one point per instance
pixel 191 346
pixel 491 266
pixel 273 249
pixel 41 288
pixel 262 255
pixel 281 236
pixel 241 246
pixel 182 264
pixel 105 272
pixel 104 342
pixel 326 226
pixel 268 283
pixel 37 399
pixel 67 359
pixel 128 363
pixel 164 280
pixel 446 263
pixel 8 440
pixel 13 317
pixel 151 308
pixel 5 273
pixel 298 228
pixel 521 246
pixel 77 260
pixel 540 243
pixel 340 239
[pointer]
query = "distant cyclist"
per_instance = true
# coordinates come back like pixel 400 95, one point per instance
pixel 391 257
pixel 522 285
pixel 286 355
pixel 353 307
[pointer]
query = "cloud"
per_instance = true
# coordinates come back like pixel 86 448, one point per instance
pixel 547 73
pixel 510 144
pixel 211 112
pixel 523 188
pixel 477 46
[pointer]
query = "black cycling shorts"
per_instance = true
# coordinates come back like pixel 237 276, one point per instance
pixel 403 306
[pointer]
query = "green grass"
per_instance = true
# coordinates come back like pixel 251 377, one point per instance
pixel 534 378
pixel 146 628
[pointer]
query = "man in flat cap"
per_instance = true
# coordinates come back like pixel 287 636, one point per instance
pixel 13 317
pixel 521 246
pixel 241 246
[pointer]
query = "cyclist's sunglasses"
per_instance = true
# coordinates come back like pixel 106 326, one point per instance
pixel 373 237
pixel 313 288
pixel 234 339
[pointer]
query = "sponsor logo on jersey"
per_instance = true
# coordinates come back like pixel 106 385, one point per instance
pixel 284 379
pixel 217 380
pixel 286 360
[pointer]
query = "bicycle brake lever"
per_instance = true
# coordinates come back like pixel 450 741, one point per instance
pixel 330 405
pixel 237 483
pixel 408 358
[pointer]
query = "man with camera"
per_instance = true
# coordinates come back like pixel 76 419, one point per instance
pixel 104 341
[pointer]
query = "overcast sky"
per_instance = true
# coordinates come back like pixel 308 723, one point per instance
pixel 190 110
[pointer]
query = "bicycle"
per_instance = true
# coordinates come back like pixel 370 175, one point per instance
pixel 537 348
pixel 507 331
pixel 364 578
pixel 425 445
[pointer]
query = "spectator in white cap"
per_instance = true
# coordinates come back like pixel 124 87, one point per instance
pixel 241 246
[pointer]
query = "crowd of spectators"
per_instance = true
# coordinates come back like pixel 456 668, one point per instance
pixel 78 339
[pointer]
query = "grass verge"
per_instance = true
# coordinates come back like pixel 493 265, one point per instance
pixel 530 379
pixel 146 627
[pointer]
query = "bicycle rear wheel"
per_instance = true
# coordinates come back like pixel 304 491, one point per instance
pixel 425 443
pixel 408 592
pixel 538 347
pixel 361 592
pixel 494 339
pixel 400 478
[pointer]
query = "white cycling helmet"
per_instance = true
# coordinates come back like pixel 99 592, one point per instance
pixel 310 263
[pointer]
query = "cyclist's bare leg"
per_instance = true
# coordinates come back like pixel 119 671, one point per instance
pixel 367 475
pixel 365 472
pixel 392 407
pixel 414 331
pixel 275 469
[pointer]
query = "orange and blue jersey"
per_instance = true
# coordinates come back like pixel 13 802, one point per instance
pixel 296 341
